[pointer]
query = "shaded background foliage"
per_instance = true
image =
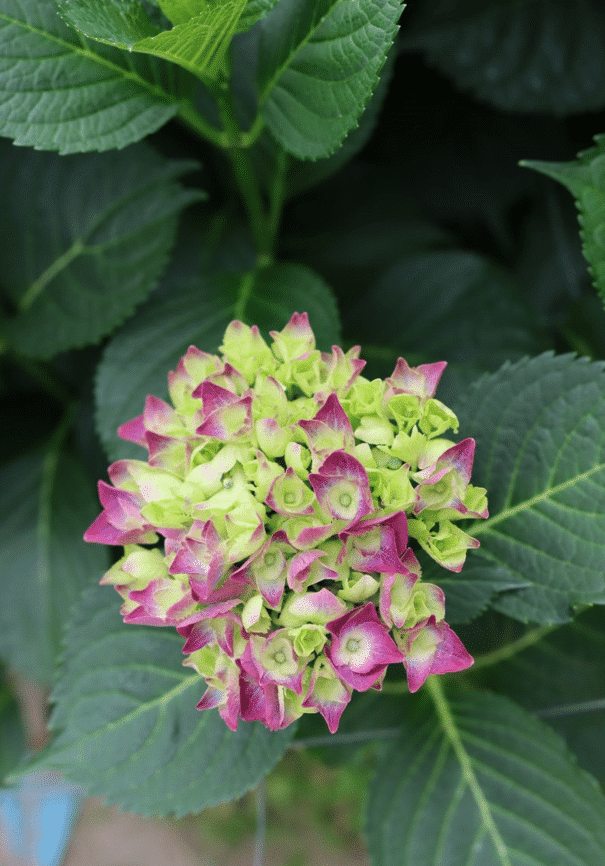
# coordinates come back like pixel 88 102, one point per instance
pixel 401 221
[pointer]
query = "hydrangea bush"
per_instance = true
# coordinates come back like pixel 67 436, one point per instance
pixel 296 541
pixel 286 488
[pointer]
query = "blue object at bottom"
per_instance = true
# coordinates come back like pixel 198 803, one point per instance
pixel 36 819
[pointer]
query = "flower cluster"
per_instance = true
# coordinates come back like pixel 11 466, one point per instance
pixel 285 487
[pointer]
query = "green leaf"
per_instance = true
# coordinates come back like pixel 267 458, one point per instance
pixel 585 180
pixel 539 425
pixel 449 305
pixel 560 677
pixel 254 11
pixel 113 22
pixel 127 725
pixel 75 265
pixel 520 56
pixel 482 782
pixel 196 308
pixel 196 43
pixel 46 503
pixel 107 99
pixel 319 61
pixel 179 11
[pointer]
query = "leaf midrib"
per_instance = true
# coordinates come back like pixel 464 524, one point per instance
pixel 290 57
pixel 452 734
pixel 479 528
pixel 71 48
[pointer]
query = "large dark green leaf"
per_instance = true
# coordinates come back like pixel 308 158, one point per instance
pixel 319 62
pixel 127 726
pixel 46 503
pixel 520 55
pixel 86 238
pixel 585 179
pixel 483 784
pixel 560 676
pixel 540 431
pixel 451 305
pixel 195 308
pixel 60 93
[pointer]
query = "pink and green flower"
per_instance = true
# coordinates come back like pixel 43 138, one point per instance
pixel 275 521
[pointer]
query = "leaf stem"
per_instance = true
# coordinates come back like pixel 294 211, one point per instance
pixel 509 650
pixel 453 735
pixel 40 373
pixel 244 173
pixel 59 264
pixel 276 197
pixel 196 123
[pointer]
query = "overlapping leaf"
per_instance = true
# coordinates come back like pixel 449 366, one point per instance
pixel 495 787
pixel 540 431
pixel 319 62
pixel 46 503
pixel 58 92
pixel 448 304
pixel 197 42
pixel 528 56
pixel 560 677
pixel 126 723
pixel 86 238
pixel 195 308
pixel 585 179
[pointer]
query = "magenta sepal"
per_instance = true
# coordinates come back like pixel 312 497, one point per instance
pixel 329 429
pixel 223 692
pixel 259 649
pixel 202 556
pixel 133 431
pixel 458 461
pixel 299 569
pixel 342 487
pixel 420 381
pixel 329 695
pixel 361 648
pixel 121 521
pixel 376 544
pixel 215 624
pixel 149 611
pixel 433 648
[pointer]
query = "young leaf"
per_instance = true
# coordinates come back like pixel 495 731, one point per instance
pixel 518 56
pixel 197 42
pixel 127 725
pixel 482 783
pixel 107 99
pixel 75 264
pixel 46 503
pixel 319 61
pixel 180 11
pixel 254 11
pixel 196 309
pixel 585 180
pixel 539 425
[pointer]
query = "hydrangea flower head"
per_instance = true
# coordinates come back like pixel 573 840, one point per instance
pixel 280 493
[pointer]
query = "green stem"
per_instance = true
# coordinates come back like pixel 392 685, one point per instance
pixel 511 649
pixel 40 373
pixel 452 734
pixel 276 198
pixel 196 123
pixel 244 173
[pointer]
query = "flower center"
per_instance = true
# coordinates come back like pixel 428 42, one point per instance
pixel 345 500
pixel 269 559
pixel 228 483
pixel 352 645
pixel 279 657
pixel 289 498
